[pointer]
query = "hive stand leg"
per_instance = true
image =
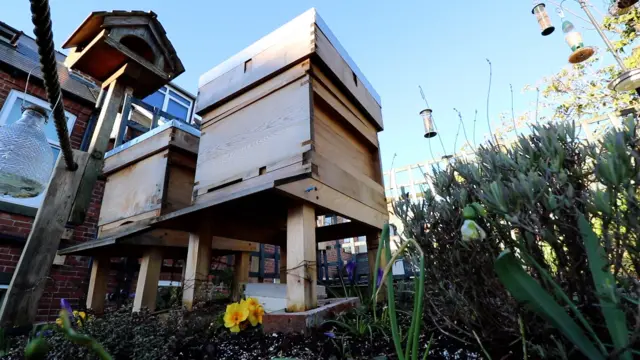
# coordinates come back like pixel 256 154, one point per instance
pixel 148 277
pixel 241 267
pixel 98 284
pixel 283 265
pixel 197 266
pixel 301 259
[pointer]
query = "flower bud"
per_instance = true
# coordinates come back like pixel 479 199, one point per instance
pixel 472 231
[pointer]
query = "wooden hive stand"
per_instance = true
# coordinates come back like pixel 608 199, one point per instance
pixel 290 132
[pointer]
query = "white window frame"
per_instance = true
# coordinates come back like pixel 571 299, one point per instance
pixel 15 95
pixel 166 91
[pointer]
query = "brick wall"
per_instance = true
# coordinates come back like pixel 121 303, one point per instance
pixel 69 280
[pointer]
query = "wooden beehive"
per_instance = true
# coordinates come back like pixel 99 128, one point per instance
pixel 292 106
pixel 149 176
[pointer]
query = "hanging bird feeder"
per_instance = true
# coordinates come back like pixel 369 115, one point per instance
pixel 26 158
pixel 429 127
pixel 574 39
pixel 543 19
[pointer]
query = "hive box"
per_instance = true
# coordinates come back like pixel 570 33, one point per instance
pixel 292 106
pixel 149 176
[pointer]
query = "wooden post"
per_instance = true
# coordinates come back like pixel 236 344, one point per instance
pixel 301 258
pixel 98 146
pixel 197 266
pixel 148 277
pixel 98 284
pixel 283 265
pixel 241 266
pixel 31 275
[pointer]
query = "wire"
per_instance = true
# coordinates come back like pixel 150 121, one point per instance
pixel 40 16
pixel 26 87
pixel 513 115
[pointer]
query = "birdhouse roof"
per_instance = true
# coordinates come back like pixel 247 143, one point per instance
pixel 100 20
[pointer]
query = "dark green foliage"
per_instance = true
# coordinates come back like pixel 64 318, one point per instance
pixel 533 192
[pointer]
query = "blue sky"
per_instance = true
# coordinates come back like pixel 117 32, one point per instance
pixel 398 45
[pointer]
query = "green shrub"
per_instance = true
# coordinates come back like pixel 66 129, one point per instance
pixel 533 189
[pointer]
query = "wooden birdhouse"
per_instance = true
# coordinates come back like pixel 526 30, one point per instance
pixel 130 46
pixel 293 106
pixel 148 176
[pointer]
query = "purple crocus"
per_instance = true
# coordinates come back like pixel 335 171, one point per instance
pixel 351 269
pixel 331 335
pixel 64 304
pixel 379 279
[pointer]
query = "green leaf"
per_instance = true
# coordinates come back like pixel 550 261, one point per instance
pixel 526 290
pixel 605 287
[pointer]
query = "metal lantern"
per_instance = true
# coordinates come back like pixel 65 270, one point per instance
pixel 574 39
pixel 26 158
pixel 429 127
pixel 627 81
pixel 625 4
pixel 543 19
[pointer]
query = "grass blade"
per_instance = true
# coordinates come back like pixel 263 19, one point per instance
pixel 605 288
pixel 526 290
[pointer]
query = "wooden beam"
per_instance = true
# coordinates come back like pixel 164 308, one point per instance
pixel 301 258
pixel 148 277
pixel 97 148
pixel 197 266
pixel 98 283
pixel 30 277
pixel 241 266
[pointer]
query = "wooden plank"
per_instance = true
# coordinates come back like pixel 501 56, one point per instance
pixel 341 231
pixel 252 185
pixel 179 188
pixel 256 94
pixel 120 225
pixel 241 267
pixel 328 198
pixel 97 291
pixel 223 243
pixel 343 72
pixel 97 148
pixel 134 190
pixel 359 187
pixel 148 277
pixel 301 257
pixel 138 151
pixel 359 125
pixel 198 264
pixel 20 303
pixel 334 141
pixel 268 131
pixel 296 159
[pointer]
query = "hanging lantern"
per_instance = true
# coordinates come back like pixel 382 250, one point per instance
pixel 625 4
pixel 627 81
pixel 574 39
pixel 429 127
pixel 26 158
pixel 543 19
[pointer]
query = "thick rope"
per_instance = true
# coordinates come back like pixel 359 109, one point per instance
pixel 41 18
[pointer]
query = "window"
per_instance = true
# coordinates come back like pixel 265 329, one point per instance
pixel 171 101
pixel 10 113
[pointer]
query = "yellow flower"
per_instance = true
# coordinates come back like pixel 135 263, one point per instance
pixel 235 315
pixel 255 315
pixel 251 303
pixel 59 322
